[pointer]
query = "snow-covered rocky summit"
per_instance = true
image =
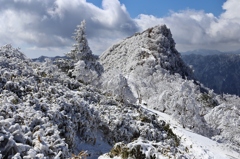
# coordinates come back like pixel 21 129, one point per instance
pixel 154 48
pixel 147 69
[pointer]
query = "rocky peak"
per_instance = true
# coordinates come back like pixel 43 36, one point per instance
pixel 152 48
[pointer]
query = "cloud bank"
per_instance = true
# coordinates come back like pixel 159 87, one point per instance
pixel 47 26
pixel 43 27
pixel 193 29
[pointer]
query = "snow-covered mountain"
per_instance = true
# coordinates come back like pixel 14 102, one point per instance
pixel 138 100
pixel 206 52
pixel 42 58
pixel 203 52
pixel 219 72
pixel 154 75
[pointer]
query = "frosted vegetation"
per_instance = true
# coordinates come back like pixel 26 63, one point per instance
pixel 136 100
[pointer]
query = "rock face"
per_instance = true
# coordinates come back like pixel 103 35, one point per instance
pixel 147 69
pixel 150 66
pixel 153 48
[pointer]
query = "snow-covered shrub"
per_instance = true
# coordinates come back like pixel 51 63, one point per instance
pixel 225 119
pixel 118 87
pixel 84 73
pixel 124 152
pixel 8 51
pixel 64 64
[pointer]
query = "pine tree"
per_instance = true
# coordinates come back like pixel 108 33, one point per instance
pixel 81 50
pixel 85 66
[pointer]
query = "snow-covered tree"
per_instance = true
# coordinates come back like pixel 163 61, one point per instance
pixel 86 68
pixel 119 88
pixel 81 50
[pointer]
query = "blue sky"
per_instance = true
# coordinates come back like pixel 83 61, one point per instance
pixel 161 8
pixel 46 27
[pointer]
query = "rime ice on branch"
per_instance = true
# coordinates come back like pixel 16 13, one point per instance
pixel 81 50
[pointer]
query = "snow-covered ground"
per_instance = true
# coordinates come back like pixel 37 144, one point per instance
pixel 192 145
pixel 138 100
pixel 198 145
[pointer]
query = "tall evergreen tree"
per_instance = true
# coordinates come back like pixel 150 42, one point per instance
pixel 81 50
pixel 84 66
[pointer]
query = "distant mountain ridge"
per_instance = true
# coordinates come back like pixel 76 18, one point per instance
pixel 220 72
pixel 42 58
pixel 205 52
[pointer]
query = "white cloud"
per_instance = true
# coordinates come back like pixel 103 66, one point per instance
pixel 193 29
pixel 232 8
pixel 47 26
pixel 12 28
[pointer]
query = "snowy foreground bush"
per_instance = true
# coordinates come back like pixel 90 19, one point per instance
pixel 138 100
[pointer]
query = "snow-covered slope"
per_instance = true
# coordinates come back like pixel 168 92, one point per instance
pixel 46 114
pixel 144 104
pixel 153 48
pixel 192 145
pixel 152 73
